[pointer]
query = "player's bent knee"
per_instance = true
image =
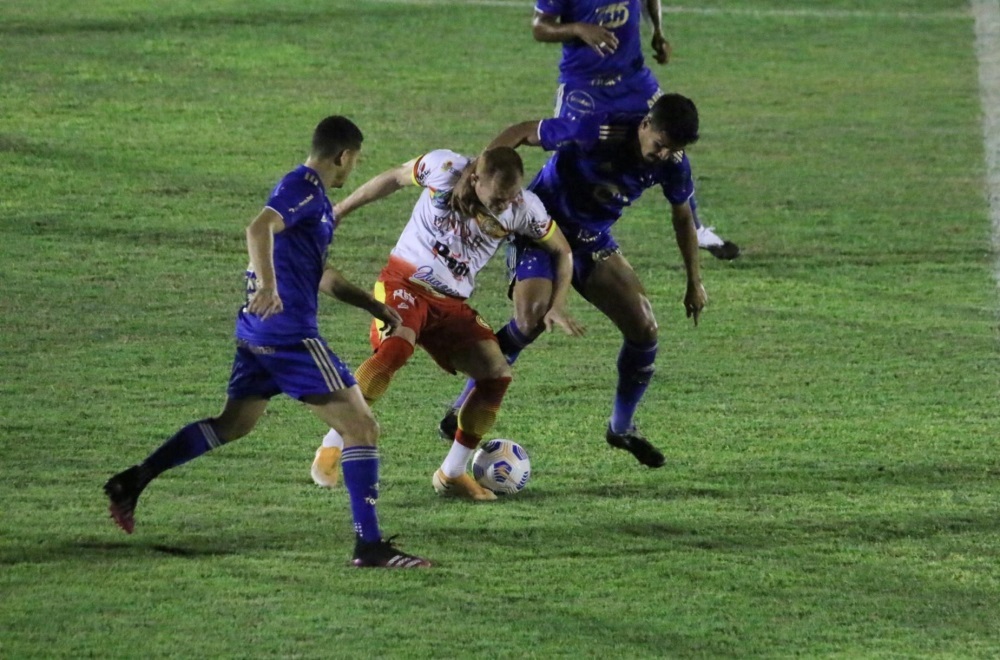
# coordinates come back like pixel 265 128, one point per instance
pixel 500 372
pixel 529 318
pixel 362 433
pixel 644 330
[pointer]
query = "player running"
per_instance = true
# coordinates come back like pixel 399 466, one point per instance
pixel 601 165
pixel 467 209
pixel 279 349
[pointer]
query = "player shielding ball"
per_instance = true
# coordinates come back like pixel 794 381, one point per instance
pixel 279 349
pixel 601 164
pixel 467 210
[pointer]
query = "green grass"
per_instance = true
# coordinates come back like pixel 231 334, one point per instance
pixel 830 425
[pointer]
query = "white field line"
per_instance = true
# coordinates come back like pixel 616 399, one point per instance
pixel 987 15
pixel 528 5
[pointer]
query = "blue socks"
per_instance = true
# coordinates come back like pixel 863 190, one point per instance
pixel 512 341
pixel 360 465
pixel 635 370
pixel 190 442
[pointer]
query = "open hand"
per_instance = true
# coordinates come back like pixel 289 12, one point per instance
pixel 265 303
pixel 389 317
pixel 565 322
pixel 602 40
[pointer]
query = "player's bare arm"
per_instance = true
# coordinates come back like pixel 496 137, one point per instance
pixel 555 244
pixel 548 28
pixel 687 240
pixel 376 188
pixel 265 301
pixel 525 133
pixel 661 47
pixel 333 283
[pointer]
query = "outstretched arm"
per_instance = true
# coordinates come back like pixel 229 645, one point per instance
pixel 265 301
pixel 548 28
pixel 661 47
pixel 687 240
pixel 514 136
pixel 376 188
pixel 555 244
pixel 333 283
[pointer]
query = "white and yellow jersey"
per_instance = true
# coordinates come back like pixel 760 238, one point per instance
pixel 442 249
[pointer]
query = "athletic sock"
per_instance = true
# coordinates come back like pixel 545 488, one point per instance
pixel 360 465
pixel 479 412
pixel 333 439
pixel 190 442
pixel 512 341
pixel 375 373
pixel 635 370
pixel 457 461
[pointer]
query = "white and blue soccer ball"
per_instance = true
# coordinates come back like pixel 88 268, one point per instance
pixel 501 466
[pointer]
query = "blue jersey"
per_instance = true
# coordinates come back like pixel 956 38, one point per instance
pixel 579 61
pixel 597 171
pixel 299 258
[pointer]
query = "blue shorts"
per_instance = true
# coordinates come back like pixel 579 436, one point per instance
pixel 631 93
pixel 298 370
pixel 526 260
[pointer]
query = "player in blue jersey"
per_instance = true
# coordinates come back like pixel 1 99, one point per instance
pixel 279 349
pixel 601 165
pixel 603 70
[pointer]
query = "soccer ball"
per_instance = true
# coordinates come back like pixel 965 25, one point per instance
pixel 501 466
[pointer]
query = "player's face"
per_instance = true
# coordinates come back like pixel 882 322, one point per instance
pixel 495 197
pixel 348 159
pixel 656 145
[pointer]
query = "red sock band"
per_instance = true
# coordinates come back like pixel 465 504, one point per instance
pixel 479 413
pixel 375 373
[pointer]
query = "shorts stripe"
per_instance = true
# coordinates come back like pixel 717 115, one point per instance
pixel 325 365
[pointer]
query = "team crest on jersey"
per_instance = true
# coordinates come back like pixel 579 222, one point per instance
pixel 491 226
pixel 607 193
pixel 612 16
pixel 481 321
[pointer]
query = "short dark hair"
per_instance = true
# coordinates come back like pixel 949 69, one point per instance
pixel 334 135
pixel 503 164
pixel 676 116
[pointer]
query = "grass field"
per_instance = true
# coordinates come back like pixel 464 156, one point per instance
pixel 831 426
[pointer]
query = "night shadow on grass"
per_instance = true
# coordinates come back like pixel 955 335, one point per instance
pixel 100 551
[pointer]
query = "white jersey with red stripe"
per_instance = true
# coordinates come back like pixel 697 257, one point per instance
pixel 442 249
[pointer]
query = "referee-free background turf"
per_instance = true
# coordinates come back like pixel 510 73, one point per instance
pixel 830 425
